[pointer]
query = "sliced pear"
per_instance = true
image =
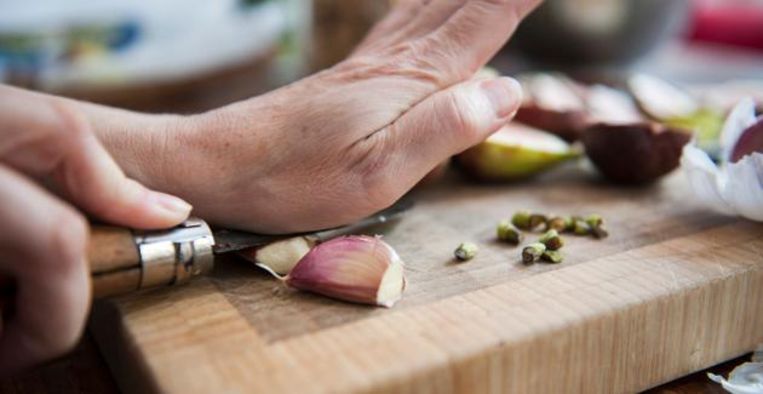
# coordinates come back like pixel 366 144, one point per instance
pixel 515 152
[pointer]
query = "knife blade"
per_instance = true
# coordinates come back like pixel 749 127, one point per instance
pixel 232 240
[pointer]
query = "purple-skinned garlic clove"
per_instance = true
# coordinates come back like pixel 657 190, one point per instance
pixel 357 269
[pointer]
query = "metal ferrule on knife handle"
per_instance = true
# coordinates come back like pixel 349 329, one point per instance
pixel 123 260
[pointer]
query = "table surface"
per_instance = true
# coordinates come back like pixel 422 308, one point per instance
pixel 84 371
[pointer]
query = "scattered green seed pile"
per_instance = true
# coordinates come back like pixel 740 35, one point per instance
pixel 547 247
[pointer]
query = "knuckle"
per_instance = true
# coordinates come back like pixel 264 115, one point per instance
pixel 68 241
pixel 422 60
pixel 460 116
pixel 68 123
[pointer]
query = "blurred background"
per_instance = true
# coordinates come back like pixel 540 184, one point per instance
pixel 192 55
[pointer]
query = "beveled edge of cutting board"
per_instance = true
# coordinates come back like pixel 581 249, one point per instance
pixel 462 343
pixel 128 369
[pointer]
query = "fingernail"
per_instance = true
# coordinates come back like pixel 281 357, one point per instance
pixel 175 206
pixel 504 94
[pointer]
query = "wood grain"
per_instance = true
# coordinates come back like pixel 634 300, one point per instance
pixel 112 249
pixel 674 290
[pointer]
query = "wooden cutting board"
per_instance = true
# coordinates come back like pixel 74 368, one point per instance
pixel 674 289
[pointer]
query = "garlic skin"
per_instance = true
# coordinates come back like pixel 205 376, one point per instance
pixel 279 257
pixel 358 269
pixel 746 378
pixel 733 188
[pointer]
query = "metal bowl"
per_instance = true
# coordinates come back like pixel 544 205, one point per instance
pixel 598 32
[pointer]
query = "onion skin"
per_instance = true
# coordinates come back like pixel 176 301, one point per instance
pixel 735 185
pixel 636 153
pixel 751 141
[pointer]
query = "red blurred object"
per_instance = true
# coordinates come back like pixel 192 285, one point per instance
pixel 737 23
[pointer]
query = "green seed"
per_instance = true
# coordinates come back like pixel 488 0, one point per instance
pixel 569 222
pixel 521 219
pixel 557 223
pixel 552 240
pixel 581 228
pixel 532 252
pixel 597 226
pixel 466 251
pixel 528 221
pixel 552 256
pixel 507 232
pixel 599 232
pixel 538 220
pixel 594 220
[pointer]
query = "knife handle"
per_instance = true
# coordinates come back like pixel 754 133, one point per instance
pixel 123 260
pixel 114 261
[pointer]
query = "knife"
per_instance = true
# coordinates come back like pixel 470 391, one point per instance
pixel 124 260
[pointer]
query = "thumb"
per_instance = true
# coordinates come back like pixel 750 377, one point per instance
pixel 92 180
pixel 448 122
pixel 48 139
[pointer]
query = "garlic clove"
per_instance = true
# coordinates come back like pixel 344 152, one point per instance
pixel 515 152
pixel 358 269
pixel 279 257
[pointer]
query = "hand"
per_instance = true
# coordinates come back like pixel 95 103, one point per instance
pixel 341 144
pixel 351 140
pixel 44 238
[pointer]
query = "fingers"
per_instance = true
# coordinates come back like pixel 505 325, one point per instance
pixel 408 20
pixel 444 124
pixel 472 35
pixel 43 250
pixel 398 18
pixel 94 182
pixel 46 138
